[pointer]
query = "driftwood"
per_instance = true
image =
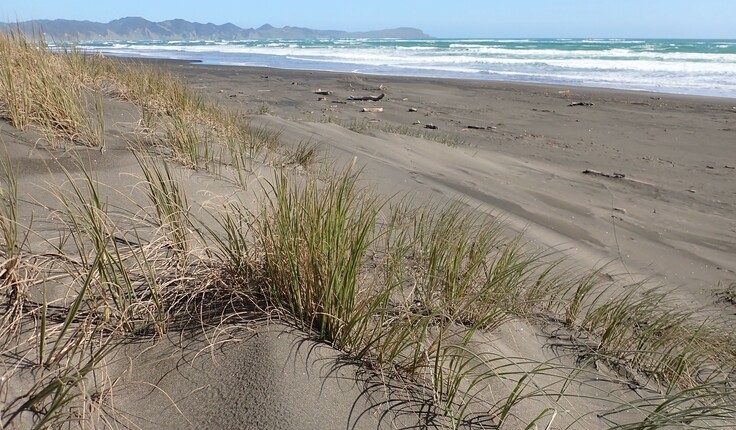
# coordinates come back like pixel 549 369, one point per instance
pixel 372 109
pixel 581 104
pixel 621 177
pixel 476 127
pixel 367 98
pixel 605 175
pixel 322 92
pixel 430 126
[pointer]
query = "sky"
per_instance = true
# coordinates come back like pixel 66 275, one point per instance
pixel 471 18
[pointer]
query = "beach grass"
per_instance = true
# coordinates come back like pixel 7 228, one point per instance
pixel 412 292
pixel 38 87
pixel 314 241
pixel 727 294
pixel 8 208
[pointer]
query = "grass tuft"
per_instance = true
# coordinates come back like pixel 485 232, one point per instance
pixel 314 239
pixel 38 87
pixel 169 202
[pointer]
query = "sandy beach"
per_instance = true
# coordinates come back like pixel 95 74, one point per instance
pixel 640 185
pixel 521 152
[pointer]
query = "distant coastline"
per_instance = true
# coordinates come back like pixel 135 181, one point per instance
pixel 140 29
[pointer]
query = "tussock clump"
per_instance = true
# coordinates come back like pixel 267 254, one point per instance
pixel 39 87
pixel 314 240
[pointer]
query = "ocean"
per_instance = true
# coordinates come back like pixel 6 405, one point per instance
pixel 701 67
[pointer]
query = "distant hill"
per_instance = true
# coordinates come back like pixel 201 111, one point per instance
pixel 135 28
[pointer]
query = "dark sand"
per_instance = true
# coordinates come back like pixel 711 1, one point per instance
pixel 671 219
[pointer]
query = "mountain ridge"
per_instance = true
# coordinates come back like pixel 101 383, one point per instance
pixel 138 28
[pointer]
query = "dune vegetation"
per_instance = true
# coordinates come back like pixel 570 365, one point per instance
pixel 413 293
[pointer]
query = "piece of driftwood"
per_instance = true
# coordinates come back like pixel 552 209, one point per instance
pixel 322 92
pixel 413 109
pixel 372 109
pixel 476 127
pixel 620 177
pixel 367 98
pixel 581 104
pixel 613 175
pixel 430 126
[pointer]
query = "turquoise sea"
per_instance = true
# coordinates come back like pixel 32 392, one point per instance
pixel 703 67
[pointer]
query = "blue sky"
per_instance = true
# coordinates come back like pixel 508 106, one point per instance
pixel 472 18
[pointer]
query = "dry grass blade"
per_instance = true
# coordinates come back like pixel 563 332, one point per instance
pixel 169 202
pixel 8 209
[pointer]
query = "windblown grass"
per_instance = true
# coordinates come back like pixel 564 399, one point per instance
pixel 407 296
pixel 115 284
pixel 702 406
pixel 305 154
pixel 38 87
pixel 314 241
pixel 169 203
pixel 728 294
pixel 8 209
pixel 61 92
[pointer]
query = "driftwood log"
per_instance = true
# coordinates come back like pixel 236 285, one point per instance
pixel 367 98
pixel 372 109
pixel 613 175
pixel 622 177
pixel 322 92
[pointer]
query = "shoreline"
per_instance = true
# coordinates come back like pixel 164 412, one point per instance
pixel 504 82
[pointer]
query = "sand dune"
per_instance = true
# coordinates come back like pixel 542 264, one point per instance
pixel 663 211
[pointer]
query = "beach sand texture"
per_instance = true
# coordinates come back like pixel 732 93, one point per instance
pixel 639 185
